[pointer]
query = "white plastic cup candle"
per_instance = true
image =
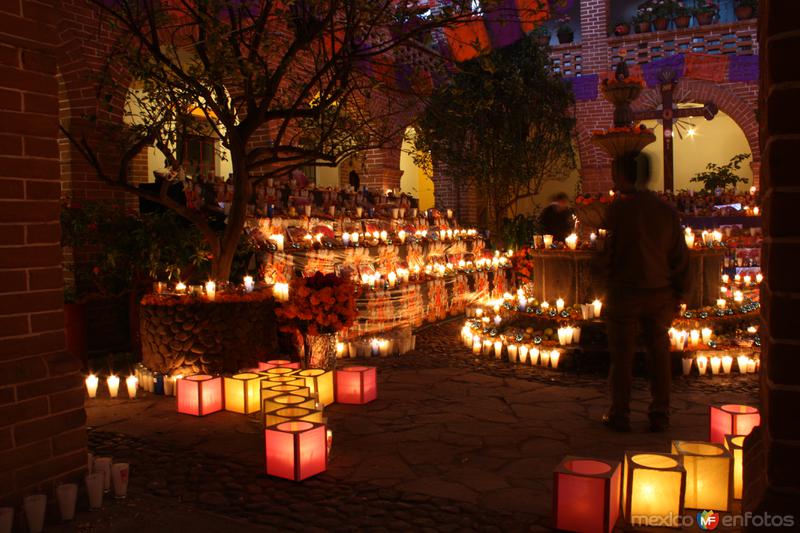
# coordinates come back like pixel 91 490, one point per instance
pixel 497 320
pixel 119 477
pixel 533 355
pixel 597 306
pixel 132 383
pixel 91 385
pixel 721 303
pixel 687 365
pixel 715 364
pixel 498 349
pixel 742 362
pixel 94 487
pixel 555 356
pixel 727 363
pixel 547 240
pixel 702 364
pixel 726 279
pixel 544 306
pixel 180 287
pixel 689 237
pixel 278 239
pixel 544 357
pixel 571 241
pixel 738 297
pixel 487 346
pixel 759 277
pixel 102 465
pixel 706 333
pixel 67 495
pixel 751 365
pixel 401 235
pixel 523 354
pixel 113 385
pixel 694 338
pixel 560 305
pixel 281 291
pixel 35 506
pixel 340 350
pixel 512 352
pixel 211 290
pixel 476 345
pixel 248 284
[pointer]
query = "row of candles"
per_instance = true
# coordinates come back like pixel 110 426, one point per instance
pixel 280 290
pixel 708 238
pixel 148 380
pixel 375 347
pixel 680 340
pixel 745 364
pixel 571 241
pixel 377 237
pixel 112 382
pixel 521 353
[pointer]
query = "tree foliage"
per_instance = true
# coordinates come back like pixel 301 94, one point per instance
pixel 722 176
pixel 503 125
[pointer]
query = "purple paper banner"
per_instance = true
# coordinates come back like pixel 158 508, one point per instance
pixel 743 68
pixel 651 70
pixel 502 22
pixel 584 87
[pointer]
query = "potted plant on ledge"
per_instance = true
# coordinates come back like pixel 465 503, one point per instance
pixel 746 9
pixel 643 18
pixel 682 15
pixel 705 11
pixel 564 32
pixel 662 13
pixel 621 29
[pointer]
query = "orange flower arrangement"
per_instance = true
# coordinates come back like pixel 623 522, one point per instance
pixel 522 261
pixel 319 304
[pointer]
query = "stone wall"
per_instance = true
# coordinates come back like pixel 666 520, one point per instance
pixel 42 433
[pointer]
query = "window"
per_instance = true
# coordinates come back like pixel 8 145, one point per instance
pixel 198 155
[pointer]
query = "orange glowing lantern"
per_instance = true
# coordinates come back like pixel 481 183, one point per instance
pixel 296 450
pixel 732 419
pixel 586 494
pixel 278 363
pixel 268 380
pixel 356 384
pixel 278 371
pixel 293 414
pixel 243 393
pixel 735 445
pixel 320 382
pixel 199 395
pixel 652 488
pixel 708 474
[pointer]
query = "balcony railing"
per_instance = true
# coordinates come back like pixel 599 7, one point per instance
pixel 567 59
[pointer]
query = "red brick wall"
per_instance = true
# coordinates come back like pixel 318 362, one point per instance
pixel 42 433
pixel 772 455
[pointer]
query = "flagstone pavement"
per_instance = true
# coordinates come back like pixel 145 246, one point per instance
pixel 451 444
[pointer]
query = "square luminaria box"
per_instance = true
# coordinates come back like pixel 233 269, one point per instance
pixel 283 379
pixel 321 382
pixel 243 393
pixel 356 384
pixel 270 390
pixel 708 468
pixel 278 371
pixel 735 445
pixel 586 494
pixel 292 414
pixel 652 488
pixel 285 400
pixel 732 419
pixel 278 363
pixel 296 450
pixel 199 395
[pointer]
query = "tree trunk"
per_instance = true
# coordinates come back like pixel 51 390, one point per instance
pixel 223 259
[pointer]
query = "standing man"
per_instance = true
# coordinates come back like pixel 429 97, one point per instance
pixel 556 219
pixel 647 277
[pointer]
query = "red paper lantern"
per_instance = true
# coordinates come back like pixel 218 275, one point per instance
pixel 278 363
pixel 732 419
pixel 199 395
pixel 586 495
pixel 356 384
pixel 296 450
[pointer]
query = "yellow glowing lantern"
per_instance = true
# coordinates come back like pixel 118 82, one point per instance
pixel 242 393
pixel 319 381
pixel 286 400
pixel 735 445
pixel 586 494
pixel 292 414
pixel 652 488
pixel 278 371
pixel 708 474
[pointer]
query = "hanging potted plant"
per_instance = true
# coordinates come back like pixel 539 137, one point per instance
pixel 682 15
pixel 745 9
pixel 621 29
pixel 564 32
pixel 662 11
pixel 319 307
pixel 643 18
pixel 542 35
pixel 705 11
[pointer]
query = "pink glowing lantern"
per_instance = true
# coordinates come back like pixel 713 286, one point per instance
pixel 278 363
pixel 296 450
pixel 732 419
pixel 356 384
pixel 199 395
pixel 586 495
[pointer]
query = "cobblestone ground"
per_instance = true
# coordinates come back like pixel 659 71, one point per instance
pixel 452 444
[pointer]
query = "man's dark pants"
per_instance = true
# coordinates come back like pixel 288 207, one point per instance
pixel 651 310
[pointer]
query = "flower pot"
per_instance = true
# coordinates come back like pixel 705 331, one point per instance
pixel 543 39
pixel 704 19
pixel 661 23
pixel 642 27
pixel 319 351
pixel 683 21
pixel 565 37
pixel 622 29
pixel 744 12
pixel 75 331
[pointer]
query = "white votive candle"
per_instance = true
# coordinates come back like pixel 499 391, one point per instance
pixel 91 385
pixel 113 385
pixel 132 383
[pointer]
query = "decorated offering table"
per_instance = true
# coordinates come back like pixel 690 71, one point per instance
pixel 571 275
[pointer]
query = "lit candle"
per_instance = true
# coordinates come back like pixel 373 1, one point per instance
pixel 392 279
pixel 478 312
pixel 738 297
pixel 384 235
pixel 512 352
pixel 487 346
pixel 689 237
pixel 385 347
pixel 715 364
pixel 597 306
pixel 753 190
pixel 281 292
pixel 449 213
pixel 721 303
pixel 346 238
pixel 544 305
pixel 706 332
pixel 687 365
pixel 533 355
pixel 180 287
pixel 523 353
pixel 278 240
pixel 702 364
pixel 498 349
pixel 555 355
pixel 756 211
pixel 544 357
pixel 211 290
pixel 402 236
pixel 248 284
pixel 759 278
pixel 727 363
pixel 548 240
pixel 717 236
pixel 747 279
pixel 113 385
pixel 560 305
pixel 354 237
pixel 725 279
pixel 91 385
pixel 523 303
pixel 571 241
pixel 132 383
pixel 694 338
pixel 751 365
pixel 592 237
pixel 497 320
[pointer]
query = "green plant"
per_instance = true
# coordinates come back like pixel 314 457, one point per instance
pixel 747 3
pixel 644 13
pixel 517 232
pixel 702 7
pixel 721 176
pixel 680 9
pixel 563 25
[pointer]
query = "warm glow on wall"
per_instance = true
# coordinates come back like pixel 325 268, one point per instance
pixel 652 487
pixel 356 384
pixel 735 445
pixel 199 395
pixel 320 382
pixel 586 495
pixel 243 393
pixel 296 450
pixel 732 419
pixel 708 474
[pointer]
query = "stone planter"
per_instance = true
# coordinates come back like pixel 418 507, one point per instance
pixel 207 337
